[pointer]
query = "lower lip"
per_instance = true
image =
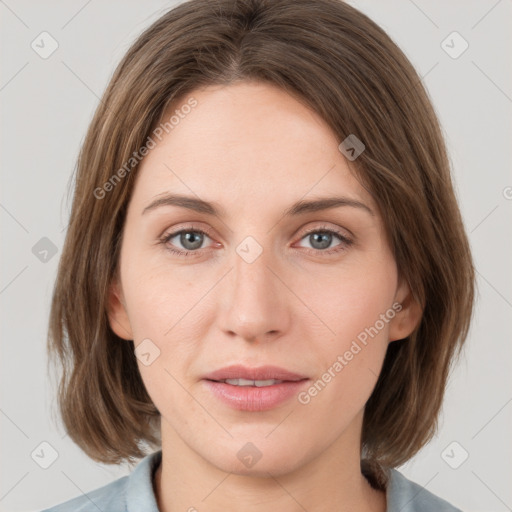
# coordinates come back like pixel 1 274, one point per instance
pixel 252 398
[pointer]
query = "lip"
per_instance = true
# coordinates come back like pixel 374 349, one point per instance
pixel 252 398
pixel 260 373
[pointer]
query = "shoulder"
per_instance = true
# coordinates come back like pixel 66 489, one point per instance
pixel 407 496
pixel 126 494
pixel 110 497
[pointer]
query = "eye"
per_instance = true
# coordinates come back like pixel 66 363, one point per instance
pixel 190 239
pixel 321 239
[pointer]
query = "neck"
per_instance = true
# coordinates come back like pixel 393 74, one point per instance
pixel 333 481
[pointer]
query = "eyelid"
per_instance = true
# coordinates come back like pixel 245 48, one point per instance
pixel 166 236
pixel 186 227
pixel 347 236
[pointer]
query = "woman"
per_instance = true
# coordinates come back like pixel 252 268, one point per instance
pixel 266 277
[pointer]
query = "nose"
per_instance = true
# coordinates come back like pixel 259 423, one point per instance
pixel 255 301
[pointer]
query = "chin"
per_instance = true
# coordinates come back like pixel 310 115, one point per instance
pixel 258 457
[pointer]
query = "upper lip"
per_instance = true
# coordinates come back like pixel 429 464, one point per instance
pixel 258 373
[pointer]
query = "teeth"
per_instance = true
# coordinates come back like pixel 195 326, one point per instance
pixel 257 383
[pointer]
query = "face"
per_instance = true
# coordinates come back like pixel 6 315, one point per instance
pixel 244 280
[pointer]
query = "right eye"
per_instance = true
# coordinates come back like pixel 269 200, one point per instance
pixel 190 239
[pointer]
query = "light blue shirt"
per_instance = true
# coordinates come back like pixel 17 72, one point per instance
pixel 134 493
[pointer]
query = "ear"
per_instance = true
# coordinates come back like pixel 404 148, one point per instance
pixel 408 316
pixel 117 313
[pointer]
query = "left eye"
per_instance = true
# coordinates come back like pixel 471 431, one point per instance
pixel 322 239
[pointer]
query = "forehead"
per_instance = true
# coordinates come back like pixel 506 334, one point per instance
pixel 247 141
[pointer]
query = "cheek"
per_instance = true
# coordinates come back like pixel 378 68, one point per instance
pixel 163 305
pixel 348 299
pixel 356 309
pixel 157 295
pixel 161 310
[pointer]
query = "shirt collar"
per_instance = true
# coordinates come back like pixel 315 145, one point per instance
pixel 140 496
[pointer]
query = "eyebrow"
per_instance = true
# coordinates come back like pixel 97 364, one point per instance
pixel 214 209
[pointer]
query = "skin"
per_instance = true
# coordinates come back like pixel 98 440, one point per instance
pixel 295 306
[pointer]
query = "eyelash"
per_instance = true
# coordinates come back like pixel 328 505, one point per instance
pixel 321 229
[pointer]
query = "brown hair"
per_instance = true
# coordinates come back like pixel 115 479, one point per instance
pixel 341 64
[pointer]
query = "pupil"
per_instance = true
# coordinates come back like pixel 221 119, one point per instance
pixel 187 240
pixel 322 244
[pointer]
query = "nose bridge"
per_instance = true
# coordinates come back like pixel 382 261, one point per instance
pixel 256 306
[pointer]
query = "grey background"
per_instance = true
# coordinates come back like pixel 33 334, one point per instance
pixel 46 107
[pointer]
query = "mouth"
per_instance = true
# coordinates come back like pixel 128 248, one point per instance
pixel 254 389
pixel 247 376
pixel 249 382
